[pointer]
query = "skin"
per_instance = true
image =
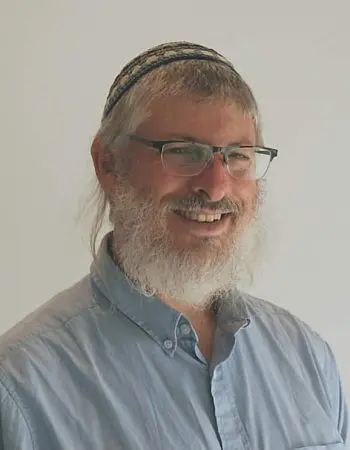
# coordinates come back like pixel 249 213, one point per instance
pixel 214 123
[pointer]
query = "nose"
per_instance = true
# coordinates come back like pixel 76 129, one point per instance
pixel 214 181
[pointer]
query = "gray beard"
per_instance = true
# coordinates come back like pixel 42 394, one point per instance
pixel 144 249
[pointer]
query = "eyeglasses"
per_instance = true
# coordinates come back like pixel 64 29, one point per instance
pixel 183 158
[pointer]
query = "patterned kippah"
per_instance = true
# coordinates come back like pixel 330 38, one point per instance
pixel 151 59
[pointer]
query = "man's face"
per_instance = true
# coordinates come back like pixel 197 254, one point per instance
pixel 154 231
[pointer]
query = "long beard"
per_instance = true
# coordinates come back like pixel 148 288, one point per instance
pixel 144 249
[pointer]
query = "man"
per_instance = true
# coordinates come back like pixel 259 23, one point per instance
pixel 158 348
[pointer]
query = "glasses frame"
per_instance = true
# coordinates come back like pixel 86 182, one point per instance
pixel 159 146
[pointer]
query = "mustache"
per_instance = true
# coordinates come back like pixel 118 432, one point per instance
pixel 197 202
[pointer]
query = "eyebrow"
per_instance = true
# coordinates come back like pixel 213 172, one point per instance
pixel 243 141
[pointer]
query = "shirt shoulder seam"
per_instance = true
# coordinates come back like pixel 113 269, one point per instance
pixel 39 334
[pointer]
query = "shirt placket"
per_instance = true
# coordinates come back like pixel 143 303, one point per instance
pixel 232 433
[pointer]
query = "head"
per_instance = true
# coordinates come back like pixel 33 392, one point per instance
pixel 181 236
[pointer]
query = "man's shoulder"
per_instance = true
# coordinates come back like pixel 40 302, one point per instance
pixel 283 325
pixel 48 318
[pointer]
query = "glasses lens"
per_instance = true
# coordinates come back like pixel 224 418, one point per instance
pixel 249 163
pixel 181 158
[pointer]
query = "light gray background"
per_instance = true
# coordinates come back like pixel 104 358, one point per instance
pixel 58 59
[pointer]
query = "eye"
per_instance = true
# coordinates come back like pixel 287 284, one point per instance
pixel 180 150
pixel 237 155
pixel 193 152
pixel 241 154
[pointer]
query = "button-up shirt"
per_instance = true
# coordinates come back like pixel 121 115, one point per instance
pixel 102 367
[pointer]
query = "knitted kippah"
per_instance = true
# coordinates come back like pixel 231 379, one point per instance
pixel 155 57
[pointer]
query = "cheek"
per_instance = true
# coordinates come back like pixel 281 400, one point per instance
pixel 144 167
pixel 148 176
pixel 247 192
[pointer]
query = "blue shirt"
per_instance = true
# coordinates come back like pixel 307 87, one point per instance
pixel 101 367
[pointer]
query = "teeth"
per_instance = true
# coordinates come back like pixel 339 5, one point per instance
pixel 201 217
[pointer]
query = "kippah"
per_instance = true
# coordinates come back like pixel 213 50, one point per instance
pixel 155 57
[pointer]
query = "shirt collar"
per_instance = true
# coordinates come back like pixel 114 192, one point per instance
pixel 156 318
pixel 153 316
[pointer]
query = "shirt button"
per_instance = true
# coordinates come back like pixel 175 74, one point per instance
pixel 168 344
pixel 185 329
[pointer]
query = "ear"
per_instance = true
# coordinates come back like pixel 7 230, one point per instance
pixel 103 166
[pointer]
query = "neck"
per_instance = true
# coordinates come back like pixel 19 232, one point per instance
pixel 202 320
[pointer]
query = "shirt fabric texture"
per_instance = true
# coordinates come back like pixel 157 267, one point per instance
pixel 102 367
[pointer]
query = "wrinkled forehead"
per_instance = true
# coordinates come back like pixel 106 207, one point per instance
pixel 194 118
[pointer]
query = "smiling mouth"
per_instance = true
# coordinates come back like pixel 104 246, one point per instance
pixel 201 217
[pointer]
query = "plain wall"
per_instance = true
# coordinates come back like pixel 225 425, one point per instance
pixel 58 59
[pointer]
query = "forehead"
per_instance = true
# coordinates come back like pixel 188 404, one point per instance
pixel 215 122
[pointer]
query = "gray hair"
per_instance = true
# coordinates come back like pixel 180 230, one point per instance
pixel 209 80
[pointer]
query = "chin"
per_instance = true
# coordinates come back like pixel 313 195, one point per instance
pixel 202 244
pixel 201 253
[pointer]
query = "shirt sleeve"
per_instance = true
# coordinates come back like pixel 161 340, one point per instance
pixel 337 396
pixel 14 431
